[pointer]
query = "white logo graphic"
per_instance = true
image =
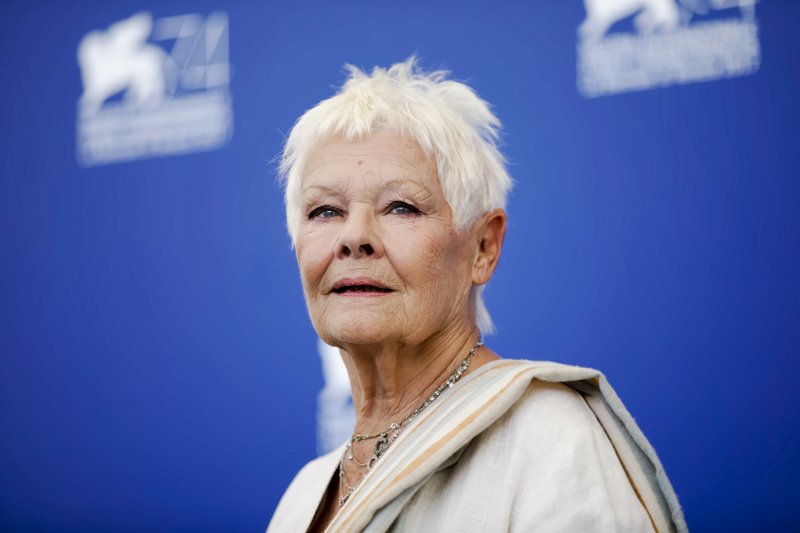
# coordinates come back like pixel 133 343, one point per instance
pixel 154 88
pixel 335 415
pixel 675 41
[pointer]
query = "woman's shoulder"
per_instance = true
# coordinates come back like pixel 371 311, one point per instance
pixel 571 424
pixel 544 463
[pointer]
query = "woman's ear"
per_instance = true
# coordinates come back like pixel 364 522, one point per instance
pixel 489 231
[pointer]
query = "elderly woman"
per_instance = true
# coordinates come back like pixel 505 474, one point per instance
pixel 395 196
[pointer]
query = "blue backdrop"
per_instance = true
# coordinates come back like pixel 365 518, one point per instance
pixel 158 369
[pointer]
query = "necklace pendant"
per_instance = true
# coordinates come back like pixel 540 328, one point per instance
pixel 381 445
pixel 344 498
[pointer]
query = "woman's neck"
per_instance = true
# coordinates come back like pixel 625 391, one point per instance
pixel 390 380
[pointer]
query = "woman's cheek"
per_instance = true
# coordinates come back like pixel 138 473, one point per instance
pixel 311 260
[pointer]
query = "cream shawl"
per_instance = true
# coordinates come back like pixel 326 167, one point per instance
pixel 465 415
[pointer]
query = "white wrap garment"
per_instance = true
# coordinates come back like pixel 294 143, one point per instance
pixel 514 446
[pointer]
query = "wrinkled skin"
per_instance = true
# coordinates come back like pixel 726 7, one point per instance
pixel 386 219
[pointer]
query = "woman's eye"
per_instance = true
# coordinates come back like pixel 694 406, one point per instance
pixel 402 208
pixel 323 211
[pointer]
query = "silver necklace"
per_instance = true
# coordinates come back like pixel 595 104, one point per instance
pixel 388 436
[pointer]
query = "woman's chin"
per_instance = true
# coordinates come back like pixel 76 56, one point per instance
pixel 358 332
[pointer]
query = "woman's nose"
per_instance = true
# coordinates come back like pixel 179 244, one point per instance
pixel 358 238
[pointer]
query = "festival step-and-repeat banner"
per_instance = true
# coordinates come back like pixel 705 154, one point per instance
pixel 158 370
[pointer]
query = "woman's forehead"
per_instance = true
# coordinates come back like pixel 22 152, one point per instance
pixel 380 146
pixel 384 158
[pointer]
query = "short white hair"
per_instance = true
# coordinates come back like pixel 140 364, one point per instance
pixel 445 117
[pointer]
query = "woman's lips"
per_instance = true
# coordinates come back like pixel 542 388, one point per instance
pixel 361 287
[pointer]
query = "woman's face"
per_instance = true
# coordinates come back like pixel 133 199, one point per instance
pixel 378 254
